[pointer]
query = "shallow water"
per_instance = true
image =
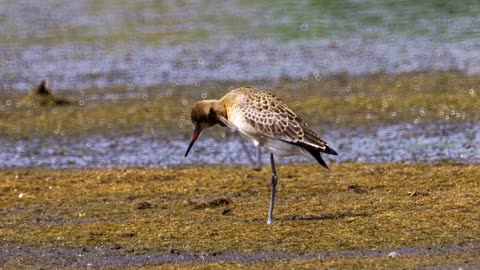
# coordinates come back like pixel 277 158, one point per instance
pixel 397 143
pixel 134 44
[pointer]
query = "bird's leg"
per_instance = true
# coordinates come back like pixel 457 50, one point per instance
pixel 255 166
pixel 235 131
pixel 274 187
pixel 258 166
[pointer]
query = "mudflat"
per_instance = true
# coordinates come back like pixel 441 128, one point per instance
pixel 357 215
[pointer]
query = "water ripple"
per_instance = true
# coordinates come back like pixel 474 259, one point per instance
pixel 396 143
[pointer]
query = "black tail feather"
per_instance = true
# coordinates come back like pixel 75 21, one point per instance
pixel 329 150
pixel 316 154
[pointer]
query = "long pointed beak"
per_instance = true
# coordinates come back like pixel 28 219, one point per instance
pixel 195 135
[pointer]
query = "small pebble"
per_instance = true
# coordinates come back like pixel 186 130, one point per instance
pixel 393 254
pixel 20 195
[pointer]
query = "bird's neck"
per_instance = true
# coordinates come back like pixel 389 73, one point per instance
pixel 216 106
pixel 219 107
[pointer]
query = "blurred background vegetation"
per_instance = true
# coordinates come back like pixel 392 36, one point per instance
pixel 128 68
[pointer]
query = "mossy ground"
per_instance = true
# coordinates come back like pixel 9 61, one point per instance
pixel 335 101
pixel 224 208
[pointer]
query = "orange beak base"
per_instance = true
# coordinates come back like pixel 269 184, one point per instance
pixel 195 135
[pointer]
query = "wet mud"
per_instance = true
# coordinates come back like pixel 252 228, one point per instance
pixel 107 257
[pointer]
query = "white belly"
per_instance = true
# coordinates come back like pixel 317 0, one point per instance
pixel 276 147
pixel 281 148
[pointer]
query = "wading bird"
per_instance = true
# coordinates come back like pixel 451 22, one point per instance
pixel 266 121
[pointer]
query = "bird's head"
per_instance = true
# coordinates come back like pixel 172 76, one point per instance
pixel 205 114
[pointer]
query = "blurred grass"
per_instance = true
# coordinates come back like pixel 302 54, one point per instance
pixel 338 101
pixel 164 22
pixel 354 207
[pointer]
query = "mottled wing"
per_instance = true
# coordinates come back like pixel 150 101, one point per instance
pixel 272 117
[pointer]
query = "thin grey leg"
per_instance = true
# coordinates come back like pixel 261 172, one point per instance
pixel 274 188
pixel 255 165
pixel 258 167
pixel 244 147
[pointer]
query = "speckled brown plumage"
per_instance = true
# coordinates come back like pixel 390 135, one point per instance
pixel 261 114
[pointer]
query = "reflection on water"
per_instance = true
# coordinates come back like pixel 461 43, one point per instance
pixel 85 44
pixel 399 143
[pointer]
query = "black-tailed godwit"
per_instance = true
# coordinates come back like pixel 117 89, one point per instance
pixel 266 121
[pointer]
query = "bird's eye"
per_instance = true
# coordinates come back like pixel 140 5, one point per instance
pixel 212 112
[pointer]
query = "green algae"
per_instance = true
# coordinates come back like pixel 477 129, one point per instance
pixel 338 101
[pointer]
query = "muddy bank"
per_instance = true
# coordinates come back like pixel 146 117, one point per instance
pixel 223 208
pixel 333 102
pixel 99 257
pixel 355 214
